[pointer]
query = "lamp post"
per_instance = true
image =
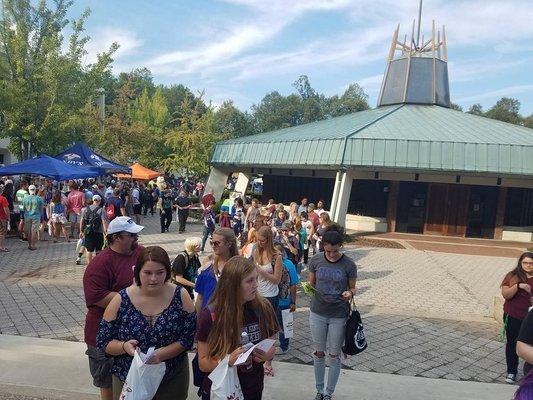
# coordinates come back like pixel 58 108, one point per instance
pixel 101 108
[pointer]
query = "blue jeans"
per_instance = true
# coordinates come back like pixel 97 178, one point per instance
pixel 205 235
pixel 328 337
pixel 283 341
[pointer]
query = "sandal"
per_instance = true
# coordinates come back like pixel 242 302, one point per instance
pixel 4 250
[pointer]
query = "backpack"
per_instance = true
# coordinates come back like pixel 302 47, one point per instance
pixel 209 221
pixel 354 335
pixel 110 211
pixel 173 270
pixel 59 208
pixel 91 221
pixel 285 283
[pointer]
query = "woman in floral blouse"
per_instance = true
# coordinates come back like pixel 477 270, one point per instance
pixel 151 313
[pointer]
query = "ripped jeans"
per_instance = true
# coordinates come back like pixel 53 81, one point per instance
pixel 328 338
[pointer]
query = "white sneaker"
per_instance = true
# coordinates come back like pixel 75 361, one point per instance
pixel 510 378
pixel 78 260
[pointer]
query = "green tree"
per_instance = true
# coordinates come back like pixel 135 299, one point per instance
pixel 192 142
pixel 476 109
pixel 45 91
pixel 232 122
pixel 528 121
pixel 455 106
pixel 506 110
pixel 353 99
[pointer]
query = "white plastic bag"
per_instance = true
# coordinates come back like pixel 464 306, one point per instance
pixel 143 379
pixel 288 323
pixel 225 382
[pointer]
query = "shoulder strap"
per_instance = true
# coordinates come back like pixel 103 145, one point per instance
pixel 186 256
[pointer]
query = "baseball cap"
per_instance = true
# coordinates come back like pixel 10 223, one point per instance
pixel 311 206
pixel 97 197
pixel 95 187
pixel 123 224
pixel 32 188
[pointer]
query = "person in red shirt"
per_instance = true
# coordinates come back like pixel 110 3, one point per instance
pixel 107 274
pixel 4 218
pixel 208 198
pixel 516 290
pixel 312 215
pixel 75 202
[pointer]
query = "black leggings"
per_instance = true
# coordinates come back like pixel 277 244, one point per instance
pixel 511 333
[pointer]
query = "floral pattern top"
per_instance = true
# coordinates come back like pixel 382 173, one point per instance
pixel 173 325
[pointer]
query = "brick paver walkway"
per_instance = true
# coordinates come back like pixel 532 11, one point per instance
pixel 425 313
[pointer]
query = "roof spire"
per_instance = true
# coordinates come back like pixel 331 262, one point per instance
pixel 417 72
pixel 419 22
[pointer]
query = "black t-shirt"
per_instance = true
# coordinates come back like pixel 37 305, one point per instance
pixel 187 266
pixel 183 201
pixel 526 336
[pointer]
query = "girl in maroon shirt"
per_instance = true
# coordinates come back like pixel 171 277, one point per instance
pixel 516 290
pixel 236 308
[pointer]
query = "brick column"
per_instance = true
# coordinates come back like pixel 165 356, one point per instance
pixel 392 205
pixel 500 213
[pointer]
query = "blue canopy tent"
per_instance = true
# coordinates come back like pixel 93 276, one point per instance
pixel 81 155
pixel 50 167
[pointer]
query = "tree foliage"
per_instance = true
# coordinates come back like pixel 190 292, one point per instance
pixel 44 90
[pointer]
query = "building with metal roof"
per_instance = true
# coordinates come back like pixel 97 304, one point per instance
pixel 412 164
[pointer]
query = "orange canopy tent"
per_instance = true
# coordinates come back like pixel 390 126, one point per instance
pixel 139 172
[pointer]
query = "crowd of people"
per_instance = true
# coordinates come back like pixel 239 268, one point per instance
pixel 236 297
pixel 40 209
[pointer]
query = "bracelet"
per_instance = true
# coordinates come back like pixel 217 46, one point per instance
pixel 123 349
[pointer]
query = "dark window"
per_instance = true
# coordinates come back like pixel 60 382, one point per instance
pixel 519 207
pixel 369 198
pixel 284 189
pixel 411 211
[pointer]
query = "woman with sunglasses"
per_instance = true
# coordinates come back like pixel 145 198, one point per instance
pixel 224 244
pixel 516 290
pixel 152 312
pixel 236 310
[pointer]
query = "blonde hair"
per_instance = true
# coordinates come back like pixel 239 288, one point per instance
pixel 229 307
pixel 191 243
pixel 266 232
pixel 229 237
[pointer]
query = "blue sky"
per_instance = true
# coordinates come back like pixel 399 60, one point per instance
pixel 242 49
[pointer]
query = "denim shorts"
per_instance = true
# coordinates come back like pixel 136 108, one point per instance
pixel 100 366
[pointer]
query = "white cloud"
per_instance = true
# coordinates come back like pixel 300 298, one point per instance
pixel 102 38
pixel 506 91
pixel 267 20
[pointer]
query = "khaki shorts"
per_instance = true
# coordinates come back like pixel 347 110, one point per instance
pixel 31 226
pixel 3 227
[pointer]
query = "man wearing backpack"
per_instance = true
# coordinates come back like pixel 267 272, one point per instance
pixel 165 213
pixel 92 228
pixel 114 208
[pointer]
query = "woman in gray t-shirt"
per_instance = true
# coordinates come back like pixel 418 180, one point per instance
pixel 333 275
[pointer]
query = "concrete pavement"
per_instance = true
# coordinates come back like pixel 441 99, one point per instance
pixel 57 369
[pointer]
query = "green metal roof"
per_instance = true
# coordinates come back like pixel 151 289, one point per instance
pixel 401 136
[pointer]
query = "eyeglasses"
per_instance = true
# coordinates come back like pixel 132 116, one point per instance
pixel 527 263
pixel 215 243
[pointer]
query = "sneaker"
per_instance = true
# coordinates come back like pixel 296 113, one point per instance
pixel 319 396
pixel 280 351
pixel 326 397
pixel 510 378
pixel 78 260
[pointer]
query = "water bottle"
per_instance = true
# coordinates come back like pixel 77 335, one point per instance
pixel 245 342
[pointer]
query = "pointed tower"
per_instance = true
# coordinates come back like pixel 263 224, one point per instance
pixel 417 71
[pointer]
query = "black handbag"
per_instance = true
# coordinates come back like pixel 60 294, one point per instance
pixel 354 335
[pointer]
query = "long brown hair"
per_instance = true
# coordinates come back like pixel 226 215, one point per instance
pixel 518 271
pixel 228 306
pixel 265 232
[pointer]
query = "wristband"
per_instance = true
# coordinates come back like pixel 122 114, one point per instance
pixel 123 349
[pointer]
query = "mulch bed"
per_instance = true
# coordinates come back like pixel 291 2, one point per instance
pixel 364 241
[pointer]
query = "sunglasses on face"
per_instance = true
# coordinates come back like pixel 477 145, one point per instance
pixel 215 243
